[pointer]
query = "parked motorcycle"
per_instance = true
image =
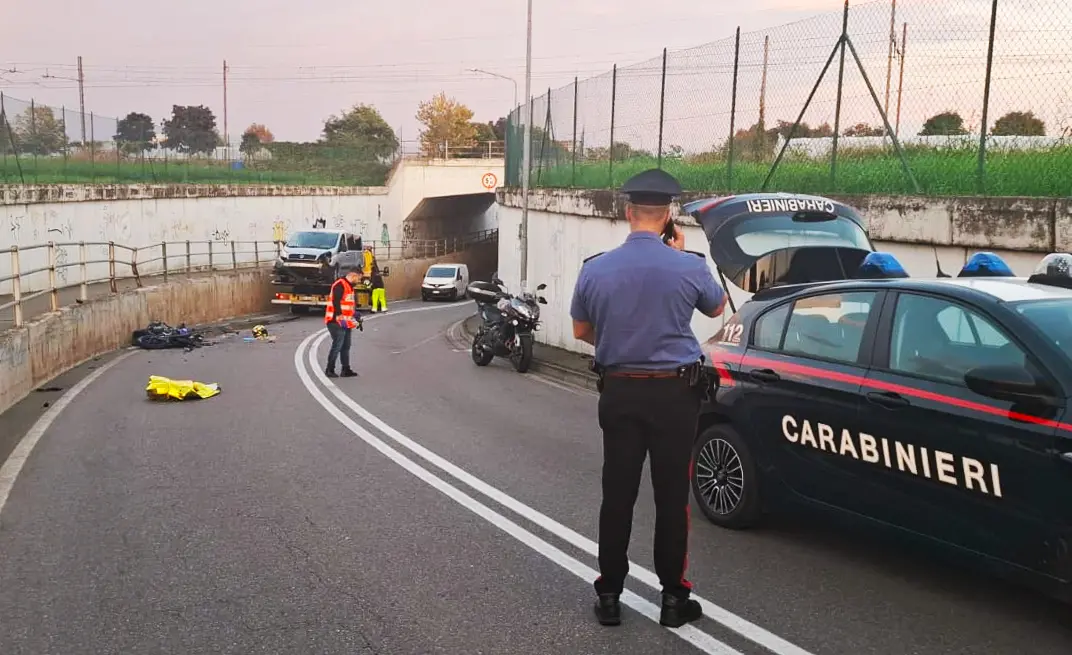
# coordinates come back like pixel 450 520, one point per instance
pixel 508 323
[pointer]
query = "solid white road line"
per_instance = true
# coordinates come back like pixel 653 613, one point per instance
pixel 736 623
pixel 9 472
pixel 689 633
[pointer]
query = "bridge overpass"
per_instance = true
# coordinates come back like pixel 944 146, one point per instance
pixel 423 200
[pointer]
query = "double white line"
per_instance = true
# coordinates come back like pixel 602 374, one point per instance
pixel 305 360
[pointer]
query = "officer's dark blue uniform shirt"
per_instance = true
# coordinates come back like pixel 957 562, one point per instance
pixel 640 298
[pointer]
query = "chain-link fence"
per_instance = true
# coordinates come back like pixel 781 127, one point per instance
pixel 40 144
pixel 936 97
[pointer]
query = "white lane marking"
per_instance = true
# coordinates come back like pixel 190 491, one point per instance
pixel 738 624
pixel 9 472
pixel 689 633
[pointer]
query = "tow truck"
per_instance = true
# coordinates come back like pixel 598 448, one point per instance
pixel 309 263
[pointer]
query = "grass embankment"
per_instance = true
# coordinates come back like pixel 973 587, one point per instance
pixel 57 170
pixel 1040 173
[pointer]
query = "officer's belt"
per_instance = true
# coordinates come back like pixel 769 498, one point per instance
pixel 643 374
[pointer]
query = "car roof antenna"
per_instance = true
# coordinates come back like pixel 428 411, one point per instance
pixel 938 264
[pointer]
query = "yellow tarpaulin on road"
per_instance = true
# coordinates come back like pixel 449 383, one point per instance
pixel 161 388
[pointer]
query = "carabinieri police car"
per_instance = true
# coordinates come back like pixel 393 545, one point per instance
pixel 938 408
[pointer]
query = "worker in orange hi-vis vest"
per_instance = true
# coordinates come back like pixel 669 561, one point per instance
pixel 341 318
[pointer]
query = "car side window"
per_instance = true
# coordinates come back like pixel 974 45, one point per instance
pixel 341 243
pixel 767 334
pixel 829 326
pixel 942 340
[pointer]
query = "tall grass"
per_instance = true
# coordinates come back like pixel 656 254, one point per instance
pixel 939 172
pixel 57 170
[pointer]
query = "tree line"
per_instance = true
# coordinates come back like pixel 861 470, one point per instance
pixel 193 130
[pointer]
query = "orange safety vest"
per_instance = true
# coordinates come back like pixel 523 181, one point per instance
pixel 346 307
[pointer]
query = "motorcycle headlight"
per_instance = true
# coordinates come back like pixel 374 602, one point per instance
pixel 525 311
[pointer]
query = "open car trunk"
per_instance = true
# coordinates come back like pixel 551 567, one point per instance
pixel 759 241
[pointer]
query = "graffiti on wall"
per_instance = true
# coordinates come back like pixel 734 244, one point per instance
pixel 319 223
pixel 62 260
pixel 221 235
pixel 385 235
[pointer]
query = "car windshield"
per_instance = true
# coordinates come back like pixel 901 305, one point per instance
pixel 1052 317
pixel 760 235
pixel 441 271
pixel 317 240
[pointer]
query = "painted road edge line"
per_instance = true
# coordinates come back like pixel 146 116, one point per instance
pixel 721 615
pixel 689 633
pixel 9 472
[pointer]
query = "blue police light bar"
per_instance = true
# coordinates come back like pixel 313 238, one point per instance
pixel 986 264
pixel 1055 269
pixel 881 266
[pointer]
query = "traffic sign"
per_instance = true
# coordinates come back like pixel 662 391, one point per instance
pixel 490 181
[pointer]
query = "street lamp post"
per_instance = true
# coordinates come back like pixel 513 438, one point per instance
pixel 501 77
pixel 525 153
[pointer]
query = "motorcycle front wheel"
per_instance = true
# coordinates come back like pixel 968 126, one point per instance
pixel 522 357
pixel 480 356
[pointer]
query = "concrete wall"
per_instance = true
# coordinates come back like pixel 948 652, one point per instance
pixel 414 181
pixel 143 215
pixel 565 227
pixel 406 275
pixel 57 342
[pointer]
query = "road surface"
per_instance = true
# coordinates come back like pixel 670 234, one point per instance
pixel 427 506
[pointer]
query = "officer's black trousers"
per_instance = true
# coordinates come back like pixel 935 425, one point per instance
pixel 640 416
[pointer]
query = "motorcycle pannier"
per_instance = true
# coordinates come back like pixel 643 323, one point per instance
pixel 484 292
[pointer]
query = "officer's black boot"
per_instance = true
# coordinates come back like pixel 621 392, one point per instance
pixel 349 372
pixel 608 609
pixel 679 611
pixel 331 373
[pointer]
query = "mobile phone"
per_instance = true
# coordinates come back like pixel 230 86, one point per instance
pixel 668 231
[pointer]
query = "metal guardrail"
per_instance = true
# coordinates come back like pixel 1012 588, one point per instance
pixel 424 248
pixel 128 262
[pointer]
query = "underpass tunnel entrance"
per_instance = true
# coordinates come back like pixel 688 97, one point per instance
pixel 446 217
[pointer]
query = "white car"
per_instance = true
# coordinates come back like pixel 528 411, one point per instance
pixel 445 281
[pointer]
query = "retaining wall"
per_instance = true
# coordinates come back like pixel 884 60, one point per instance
pixel 567 226
pixel 56 342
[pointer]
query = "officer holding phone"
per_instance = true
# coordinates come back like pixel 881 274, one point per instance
pixel 635 305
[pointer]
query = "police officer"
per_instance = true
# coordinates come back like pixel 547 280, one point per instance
pixel 341 318
pixel 635 304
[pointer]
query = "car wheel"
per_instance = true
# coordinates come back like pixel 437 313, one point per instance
pixel 724 479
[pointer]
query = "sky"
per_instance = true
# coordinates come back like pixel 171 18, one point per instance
pixel 292 64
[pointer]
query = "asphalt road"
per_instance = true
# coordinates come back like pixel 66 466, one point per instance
pixel 427 506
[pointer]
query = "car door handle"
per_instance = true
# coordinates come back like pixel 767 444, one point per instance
pixel 764 375
pixel 888 399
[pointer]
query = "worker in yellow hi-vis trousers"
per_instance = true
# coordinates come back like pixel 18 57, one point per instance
pixel 379 292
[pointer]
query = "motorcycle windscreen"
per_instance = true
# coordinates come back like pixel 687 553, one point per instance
pixel 756 251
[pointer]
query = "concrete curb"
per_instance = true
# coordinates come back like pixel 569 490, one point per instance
pixel 583 379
